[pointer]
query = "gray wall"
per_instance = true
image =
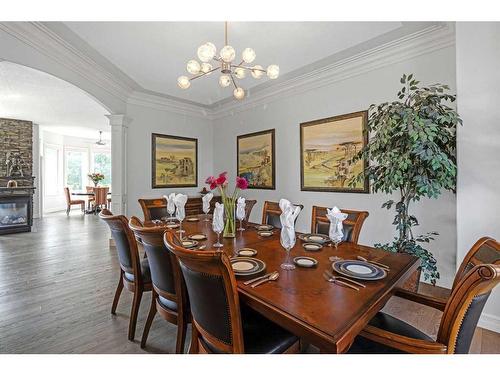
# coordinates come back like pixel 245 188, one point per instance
pixel 146 121
pixel 478 198
pixel 353 94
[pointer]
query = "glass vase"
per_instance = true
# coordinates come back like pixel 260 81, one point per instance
pixel 230 222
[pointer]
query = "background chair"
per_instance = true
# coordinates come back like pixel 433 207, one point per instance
pixel 90 198
pixel 352 225
pixel 154 209
pixel 100 198
pixel 134 274
pixel 271 213
pixel 248 208
pixel 72 202
pixel 218 323
pixel 478 274
pixel 169 295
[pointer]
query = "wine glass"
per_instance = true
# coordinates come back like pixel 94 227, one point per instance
pixel 206 211
pixel 180 216
pixel 218 231
pixel 287 245
pixel 171 211
pixel 240 216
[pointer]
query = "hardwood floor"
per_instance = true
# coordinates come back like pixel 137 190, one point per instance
pixel 57 285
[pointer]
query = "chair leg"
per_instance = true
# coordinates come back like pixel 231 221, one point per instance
pixel 67 210
pixel 149 321
pixel 133 314
pixel 193 347
pixel 118 292
pixel 181 334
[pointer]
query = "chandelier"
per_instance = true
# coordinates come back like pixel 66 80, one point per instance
pixel 224 62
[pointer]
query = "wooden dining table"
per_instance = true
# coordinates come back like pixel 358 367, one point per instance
pixel 321 313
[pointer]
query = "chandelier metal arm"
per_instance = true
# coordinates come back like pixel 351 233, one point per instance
pixel 234 83
pixel 204 74
pixel 248 68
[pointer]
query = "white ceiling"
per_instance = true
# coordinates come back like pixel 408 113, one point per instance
pixel 54 104
pixel 154 54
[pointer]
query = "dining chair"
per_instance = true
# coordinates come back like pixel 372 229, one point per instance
pixel 169 295
pixel 249 203
pixel 219 323
pixel 72 202
pixel 135 274
pixel 271 213
pixel 478 274
pixel 100 198
pixel 351 225
pixel 153 209
pixel 90 198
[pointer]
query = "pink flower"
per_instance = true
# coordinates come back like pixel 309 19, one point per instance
pixel 221 179
pixel 210 180
pixel 241 183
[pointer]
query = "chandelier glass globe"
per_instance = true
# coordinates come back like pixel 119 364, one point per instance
pixel 257 72
pixel 248 55
pixel 206 52
pixel 227 54
pixel 206 67
pixel 240 73
pixel 224 81
pixel 239 93
pixel 183 82
pixel 273 71
pixel 193 67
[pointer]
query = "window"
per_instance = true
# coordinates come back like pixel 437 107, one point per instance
pixel 51 170
pixel 76 169
pixel 101 163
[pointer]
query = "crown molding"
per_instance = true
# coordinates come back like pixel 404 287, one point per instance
pixel 419 43
pixel 163 103
pixel 49 43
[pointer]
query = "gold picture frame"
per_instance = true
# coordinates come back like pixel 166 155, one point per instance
pixel 256 159
pixel 174 161
pixel 326 148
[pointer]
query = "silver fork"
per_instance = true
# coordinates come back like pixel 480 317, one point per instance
pixel 345 279
pixel 338 282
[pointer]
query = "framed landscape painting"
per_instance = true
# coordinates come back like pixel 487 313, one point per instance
pixel 255 153
pixel 326 149
pixel 174 161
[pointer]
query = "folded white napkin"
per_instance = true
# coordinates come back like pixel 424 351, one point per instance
pixel 180 201
pixel 336 218
pixel 218 218
pixel 289 213
pixel 206 202
pixel 240 208
pixel 170 203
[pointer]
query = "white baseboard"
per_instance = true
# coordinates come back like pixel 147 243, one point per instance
pixel 490 322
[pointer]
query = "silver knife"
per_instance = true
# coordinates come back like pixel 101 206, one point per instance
pixel 258 278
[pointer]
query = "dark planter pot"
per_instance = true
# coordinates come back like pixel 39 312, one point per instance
pixel 412 282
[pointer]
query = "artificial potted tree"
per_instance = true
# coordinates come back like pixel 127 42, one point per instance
pixel 412 152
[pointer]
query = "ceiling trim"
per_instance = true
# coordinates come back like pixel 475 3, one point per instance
pixel 49 43
pixel 422 42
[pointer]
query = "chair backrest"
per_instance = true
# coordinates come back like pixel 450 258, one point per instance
pixel 126 244
pixel 471 289
pixel 165 271
pixel 271 213
pixel 213 297
pixel 101 195
pixel 352 224
pixel 153 209
pixel 249 203
pixel 67 195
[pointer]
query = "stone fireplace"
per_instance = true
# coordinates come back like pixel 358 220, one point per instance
pixel 16 168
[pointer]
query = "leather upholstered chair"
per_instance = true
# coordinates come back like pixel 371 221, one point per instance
pixel 219 323
pixel 154 209
pixel 135 275
pixel 352 224
pixel 169 295
pixel 271 213
pixel 72 202
pixel 478 274
pixel 90 198
pixel 249 203
pixel 100 198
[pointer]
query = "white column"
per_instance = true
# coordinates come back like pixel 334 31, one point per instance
pixel 118 125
